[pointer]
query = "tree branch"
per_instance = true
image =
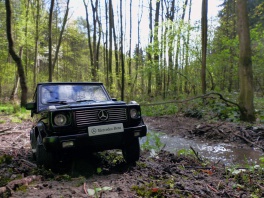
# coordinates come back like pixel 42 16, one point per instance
pixel 202 96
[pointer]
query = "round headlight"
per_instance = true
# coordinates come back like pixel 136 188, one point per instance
pixel 60 119
pixel 133 113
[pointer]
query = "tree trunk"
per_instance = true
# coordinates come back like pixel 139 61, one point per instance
pixel 130 40
pixel 88 34
pixel 157 50
pixel 15 57
pixel 204 44
pixel 13 96
pixel 36 45
pixel 170 76
pixel 111 21
pixel 65 19
pixel 50 39
pixel 26 38
pixel 95 62
pixel 122 54
pixel 246 95
pixel 138 56
pixel 174 75
pixel 186 68
pixel 106 46
pixel 148 53
pixel 116 51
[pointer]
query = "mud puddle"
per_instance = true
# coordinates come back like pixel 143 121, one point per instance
pixel 223 153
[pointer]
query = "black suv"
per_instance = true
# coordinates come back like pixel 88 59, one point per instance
pixel 82 117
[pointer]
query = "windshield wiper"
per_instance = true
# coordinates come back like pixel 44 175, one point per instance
pixel 85 100
pixel 57 101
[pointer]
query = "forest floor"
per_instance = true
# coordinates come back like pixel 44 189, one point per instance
pixel 107 175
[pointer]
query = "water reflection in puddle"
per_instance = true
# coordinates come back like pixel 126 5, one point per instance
pixel 226 153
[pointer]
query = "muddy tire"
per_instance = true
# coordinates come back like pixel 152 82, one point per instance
pixel 44 158
pixel 131 151
pixel 33 143
pixel 34 156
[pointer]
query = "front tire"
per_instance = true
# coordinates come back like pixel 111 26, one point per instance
pixel 33 143
pixel 131 151
pixel 44 158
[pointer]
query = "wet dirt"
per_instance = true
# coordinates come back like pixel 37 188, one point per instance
pixel 107 175
pixel 224 142
pixel 225 153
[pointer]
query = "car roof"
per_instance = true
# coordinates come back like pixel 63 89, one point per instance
pixel 71 83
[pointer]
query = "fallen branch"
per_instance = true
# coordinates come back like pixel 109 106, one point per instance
pixel 3 131
pixel 84 188
pixel 15 184
pixel 206 128
pixel 248 141
pixel 9 147
pixel 10 132
pixel 198 167
pixel 213 189
pixel 221 131
pixel 202 96
pixel 29 163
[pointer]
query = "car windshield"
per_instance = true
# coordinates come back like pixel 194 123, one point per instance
pixel 63 94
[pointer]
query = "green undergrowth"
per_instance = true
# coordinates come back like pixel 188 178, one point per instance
pixel 5 159
pixel 159 110
pixel 9 108
pixel 152 142
pixel 247 178
pixel 15 112
pixel 109 157
pixel 259 107
pixel 209 108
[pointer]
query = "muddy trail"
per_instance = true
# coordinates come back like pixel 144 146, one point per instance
pixel 163 174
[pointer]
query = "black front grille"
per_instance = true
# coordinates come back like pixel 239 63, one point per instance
pixel 90 116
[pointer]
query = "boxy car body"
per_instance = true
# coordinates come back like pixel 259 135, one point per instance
pixel 74 117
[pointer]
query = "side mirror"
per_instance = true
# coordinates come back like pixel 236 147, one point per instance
pixel 31 106
pixel 114 99
pixel 133 102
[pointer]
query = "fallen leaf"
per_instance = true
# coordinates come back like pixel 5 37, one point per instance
pixel 106 188
pixel 91 192
pixel 154 190
pixel 209 172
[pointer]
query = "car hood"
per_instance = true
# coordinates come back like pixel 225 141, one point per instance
pixel 86 104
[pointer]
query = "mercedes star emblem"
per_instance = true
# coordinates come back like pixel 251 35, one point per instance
pixel 94 131
pixel 103 115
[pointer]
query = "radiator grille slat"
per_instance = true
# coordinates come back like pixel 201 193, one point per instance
pixel 90 116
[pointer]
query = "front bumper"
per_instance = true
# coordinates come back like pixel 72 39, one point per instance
pixel 94 143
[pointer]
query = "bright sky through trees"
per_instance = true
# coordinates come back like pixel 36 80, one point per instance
pixel 78 10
